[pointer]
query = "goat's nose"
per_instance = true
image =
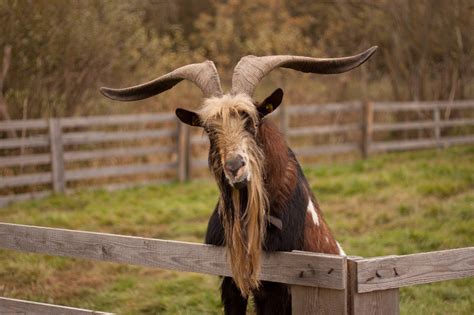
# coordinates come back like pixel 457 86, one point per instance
pixel 234 165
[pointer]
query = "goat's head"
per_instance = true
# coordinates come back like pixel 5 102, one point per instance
pixel 236 159
pixel 231 120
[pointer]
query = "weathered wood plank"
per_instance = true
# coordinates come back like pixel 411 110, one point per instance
pixel 312 300
pixel 104 136
pixel 308 269
pixel 119 170
pixel 304 300
pixel 22 160
pixel 116 120
pixel 6 199
pixel 411 106
pixel 385 302
pixel 385 146
pixel 26 124
pixel 26 180
pixel 321 130
pixel 30 142
pixel 57 155
pixel 437 126
pixel 320 108
pixel 72 156
pixel 381 273
pixel 201 163
pixel 120 186
pixel 367 129
pixel 326 149
pixel 183 145
pixel 407 125
pixel 20 307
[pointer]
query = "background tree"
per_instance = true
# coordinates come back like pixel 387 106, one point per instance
pixel 63 51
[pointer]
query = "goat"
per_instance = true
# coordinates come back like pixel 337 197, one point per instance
pixel 265 202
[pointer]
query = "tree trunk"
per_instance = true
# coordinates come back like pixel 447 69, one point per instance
pixel 4 115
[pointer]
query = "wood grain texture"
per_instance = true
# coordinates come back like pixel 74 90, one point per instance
pixel 30 159
pixel 57 155
pixel 29 142
pixel 88 137
pixel 183 145
pixel 437 122
pixel 26 180
pixel 388 146
pixel 384 302
pixel 299 109
pixel 389 272
pixel 302 268
pixel 326 149
pixel 117 120
pixel 72 156
pixel 20 307
pixel 304 300
pixel 119 170
pixel 412 106
pixel 312 300
pixel 321 130
pixel 201 163
pixel 367 128
pixel 24 124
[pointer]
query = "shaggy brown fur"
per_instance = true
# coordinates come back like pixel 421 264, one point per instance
pixel 318 238
pixel 244 232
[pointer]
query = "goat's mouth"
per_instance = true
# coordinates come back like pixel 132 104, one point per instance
pixel 238 181
pixel 241 184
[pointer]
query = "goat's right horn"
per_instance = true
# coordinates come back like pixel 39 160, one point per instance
pixel 251 69
pixel 204 75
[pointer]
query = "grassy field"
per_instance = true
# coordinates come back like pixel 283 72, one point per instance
pixel 390 204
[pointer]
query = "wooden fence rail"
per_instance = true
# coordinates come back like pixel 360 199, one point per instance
pixel 41 163
pixel 320 283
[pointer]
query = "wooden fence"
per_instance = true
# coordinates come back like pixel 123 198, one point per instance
pixel 55 154
pixel 320 283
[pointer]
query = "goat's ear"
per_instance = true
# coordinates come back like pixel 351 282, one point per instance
pixel 271 103
pixel 188 117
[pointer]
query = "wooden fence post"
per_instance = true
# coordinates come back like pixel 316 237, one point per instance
pixel 383 302
pixel 437 127
pixel 368 119
pixel 312 300
pixel 183 152
pixel 57 155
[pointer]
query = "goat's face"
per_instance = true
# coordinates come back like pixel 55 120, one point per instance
pixel 231 123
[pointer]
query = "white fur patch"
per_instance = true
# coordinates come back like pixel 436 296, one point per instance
pixel 312 210
pixel 341 251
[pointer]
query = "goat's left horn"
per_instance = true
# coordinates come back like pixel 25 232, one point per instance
pixel 203 74
pixel 251 69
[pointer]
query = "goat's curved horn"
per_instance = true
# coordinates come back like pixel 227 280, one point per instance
pixel 251 69
pixel 204 75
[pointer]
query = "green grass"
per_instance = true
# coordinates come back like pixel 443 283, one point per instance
pixel 390 204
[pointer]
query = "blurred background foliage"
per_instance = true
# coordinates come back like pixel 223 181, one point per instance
pixel 62 51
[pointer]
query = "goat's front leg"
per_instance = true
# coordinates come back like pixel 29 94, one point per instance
pixel 234 302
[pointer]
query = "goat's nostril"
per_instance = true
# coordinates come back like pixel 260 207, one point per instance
pixel 234 165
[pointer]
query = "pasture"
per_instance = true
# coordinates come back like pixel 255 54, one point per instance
pixel 395 203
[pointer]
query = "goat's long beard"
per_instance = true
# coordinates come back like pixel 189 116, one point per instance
pixel 245 231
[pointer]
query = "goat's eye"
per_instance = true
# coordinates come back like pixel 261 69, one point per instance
pixel 250 126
